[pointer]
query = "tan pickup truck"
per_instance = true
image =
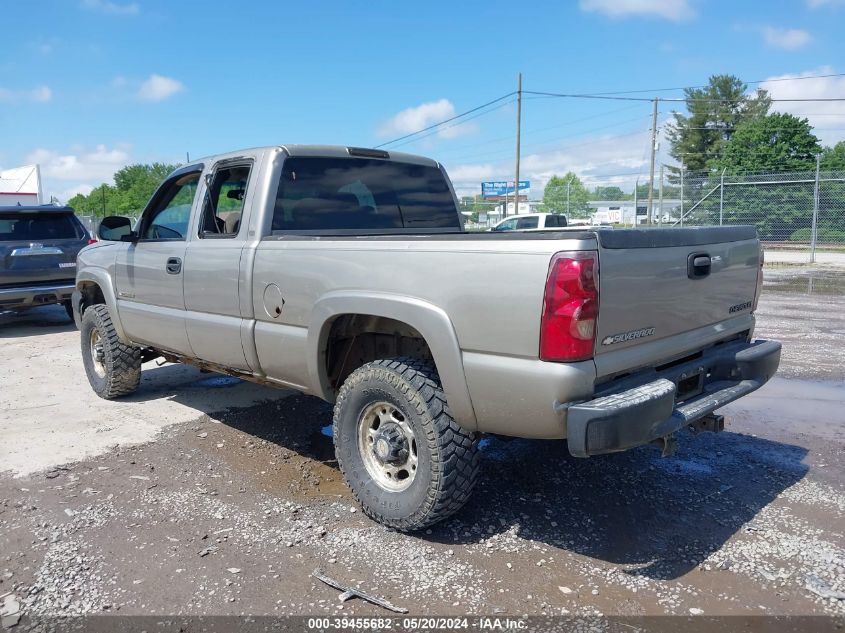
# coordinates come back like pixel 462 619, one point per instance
pixel 345 273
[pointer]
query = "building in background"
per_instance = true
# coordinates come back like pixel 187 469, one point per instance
pixel 622 211
pixel 20 186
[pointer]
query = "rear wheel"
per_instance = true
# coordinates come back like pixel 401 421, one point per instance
pixel 113 368
pixel 407 461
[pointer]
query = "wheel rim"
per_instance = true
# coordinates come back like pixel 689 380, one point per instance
pixel 97 354
pixel 388 446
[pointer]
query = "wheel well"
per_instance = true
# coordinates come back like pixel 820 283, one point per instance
pixel 92 294
pixel 357 339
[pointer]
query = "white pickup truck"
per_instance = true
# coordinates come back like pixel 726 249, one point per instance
pixel 345 273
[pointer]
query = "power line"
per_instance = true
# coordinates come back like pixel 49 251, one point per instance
pixel 455 124
pixel 674 99
pixel 773 129
pixel 457 116
pixel 529 151
pixel 757 81
pixel 570 122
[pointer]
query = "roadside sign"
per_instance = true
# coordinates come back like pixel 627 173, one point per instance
pixel 501 188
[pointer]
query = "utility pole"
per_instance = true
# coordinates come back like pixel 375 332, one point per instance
pixel 660 197
pixel 682 194
pixel 103 191
pixel 568 185
pixel 518 128
pixel 722 195
pixel 636 201
pixel 653 152
pixel 814 228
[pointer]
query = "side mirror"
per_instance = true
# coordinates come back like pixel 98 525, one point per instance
pixel 114 228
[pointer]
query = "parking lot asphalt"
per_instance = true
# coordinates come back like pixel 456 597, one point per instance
pixel 205 495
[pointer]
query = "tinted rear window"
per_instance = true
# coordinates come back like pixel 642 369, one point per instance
pixel 324 194
pixel 555 220
pixel 38 226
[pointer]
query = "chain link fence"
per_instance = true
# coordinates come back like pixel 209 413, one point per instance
pixel 800 216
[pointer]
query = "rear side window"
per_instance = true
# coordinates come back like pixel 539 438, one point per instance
pixel 324 194
pixel 16 227
pixel 555 221
pixel 527 223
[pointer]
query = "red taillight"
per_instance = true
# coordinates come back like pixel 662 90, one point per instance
pixel 91 240
pixel 570 307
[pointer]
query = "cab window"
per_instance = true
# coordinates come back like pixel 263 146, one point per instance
pixel 507 225
pixel 168 217
pixel 223 203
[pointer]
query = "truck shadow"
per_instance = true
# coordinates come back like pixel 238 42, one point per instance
pixel 34 322
pixel 656 517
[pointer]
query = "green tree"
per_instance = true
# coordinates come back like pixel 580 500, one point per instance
pixel 569 187
pixel 715 112
pixel 776 142
pixel 133 187
pixel 833 158
pixel 609 193
pixel 136 183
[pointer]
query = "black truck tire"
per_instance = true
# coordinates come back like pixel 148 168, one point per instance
pixel 406 460
pixel 113 368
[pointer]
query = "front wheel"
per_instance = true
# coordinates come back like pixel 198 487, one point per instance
pixel 113 368
pixel 406 460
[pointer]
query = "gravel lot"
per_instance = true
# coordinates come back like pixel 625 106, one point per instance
pixel 206 495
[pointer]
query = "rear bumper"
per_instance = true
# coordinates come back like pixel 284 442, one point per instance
pixel 637 415
pixel 28 296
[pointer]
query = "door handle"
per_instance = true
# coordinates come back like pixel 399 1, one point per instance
pixel 174 265
pixel 698 265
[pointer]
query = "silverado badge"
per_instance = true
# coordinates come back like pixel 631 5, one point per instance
pixel 627 336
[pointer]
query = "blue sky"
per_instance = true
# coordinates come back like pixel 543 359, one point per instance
pixel 87 86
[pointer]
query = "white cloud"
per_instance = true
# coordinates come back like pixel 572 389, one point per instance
pixel 41 94
pixel 787 39
pixel 675 10
pixel 112 8
pixel 158 88
pixel 827 118
pixel 79 169
pixel 597 160
pixel 44 46
pixel 97 165
pixel 815 4
pixel 422 116
pixel 64 195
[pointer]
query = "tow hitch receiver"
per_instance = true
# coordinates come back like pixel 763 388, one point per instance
pixel 712 423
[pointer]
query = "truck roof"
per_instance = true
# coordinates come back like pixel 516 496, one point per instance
pixel 332 151
pixel 40 208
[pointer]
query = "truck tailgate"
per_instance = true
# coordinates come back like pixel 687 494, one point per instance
pixel 660 283
pixel 38 248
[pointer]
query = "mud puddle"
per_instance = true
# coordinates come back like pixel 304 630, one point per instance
pixel 811 282
pixel 282 446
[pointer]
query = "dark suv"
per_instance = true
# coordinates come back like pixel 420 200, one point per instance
pixel 38 248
